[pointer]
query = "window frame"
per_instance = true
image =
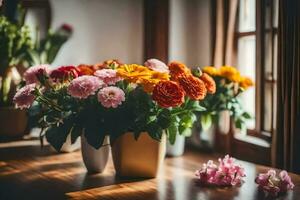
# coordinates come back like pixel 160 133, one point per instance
pixel 261 79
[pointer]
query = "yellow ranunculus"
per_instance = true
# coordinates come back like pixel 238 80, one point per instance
pixel 230 73
pixel 246 82
pixel 211 70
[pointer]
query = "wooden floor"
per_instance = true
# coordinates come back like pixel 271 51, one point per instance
pixel 27 172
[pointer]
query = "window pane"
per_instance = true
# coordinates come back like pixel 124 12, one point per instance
pixel 275 13
pixel 246 15
pixel 246 64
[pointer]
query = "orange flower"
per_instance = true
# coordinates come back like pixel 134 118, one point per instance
pixel 113 63
pixel 193 87
pixel 168 94
pixel 177 68
pixel 85 69
pixel 209 82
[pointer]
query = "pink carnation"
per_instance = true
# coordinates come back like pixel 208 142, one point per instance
pixel 84 86
pixel 108 76
pixel 24 96
pixel 226 174
pixel 111 96
pixel 274 184
pixel 157 65
pixel 31 74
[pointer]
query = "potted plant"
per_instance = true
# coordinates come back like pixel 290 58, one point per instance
pixel 15 44
pixel 223 104
pixel 18 51
pixel 163 104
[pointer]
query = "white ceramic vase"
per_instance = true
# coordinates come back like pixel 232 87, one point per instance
pixel 69 147
pixel 95 160
pixel 177 149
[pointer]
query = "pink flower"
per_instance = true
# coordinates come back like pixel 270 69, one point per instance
pixel 33 73
pixel 226 174
pixel 274 184
pixel 84 86
pixel 24 96
pixel 111 96
pixel 108 76
pixel 157 65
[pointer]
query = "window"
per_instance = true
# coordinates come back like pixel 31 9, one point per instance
pixel 256 43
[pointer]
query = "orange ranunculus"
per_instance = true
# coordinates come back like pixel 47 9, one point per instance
pixel 193 87
pixel 85 69
pixel 113 63
pixel 209 82
pixel 177 68
pixel 168 94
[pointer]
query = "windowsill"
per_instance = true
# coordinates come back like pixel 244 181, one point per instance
pixel 252 140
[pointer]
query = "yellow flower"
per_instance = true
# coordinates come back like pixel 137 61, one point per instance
pixel 133 72
pixel 246 82
pixel 149 83
pixel 141 75
pixel 211 70
pixel 230 73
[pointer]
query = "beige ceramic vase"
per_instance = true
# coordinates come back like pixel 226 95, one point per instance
pixel 140 158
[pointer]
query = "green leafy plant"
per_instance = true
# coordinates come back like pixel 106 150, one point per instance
pixel 15 45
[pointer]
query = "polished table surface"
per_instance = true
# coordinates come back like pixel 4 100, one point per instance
pixel 29 172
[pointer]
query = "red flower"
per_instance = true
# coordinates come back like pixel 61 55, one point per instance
pixel 168 94
pixel 64 73
pixel 67 27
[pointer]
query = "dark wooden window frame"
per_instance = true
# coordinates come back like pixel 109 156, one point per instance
pixel 261 79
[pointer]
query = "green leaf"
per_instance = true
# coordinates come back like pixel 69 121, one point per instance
pixel 75 133
pixel 246 115
pixel 57 135
pixel 164 119
pixel 187 132
pixel 172 132
pixel 206 121
pixel 94 136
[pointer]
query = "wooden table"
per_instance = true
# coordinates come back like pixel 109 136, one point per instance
pixel 27 172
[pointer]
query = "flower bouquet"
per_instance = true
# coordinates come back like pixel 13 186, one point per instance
pixel 224 102
pixel 146 103
pixel 229 85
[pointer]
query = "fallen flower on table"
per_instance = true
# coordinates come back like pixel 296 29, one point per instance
pixel 227 173
pixel 273 184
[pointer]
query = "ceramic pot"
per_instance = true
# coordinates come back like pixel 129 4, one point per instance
pixel 13 122
pixel 138 158
pixel 95 160
pixel 176 149
pixel 69 147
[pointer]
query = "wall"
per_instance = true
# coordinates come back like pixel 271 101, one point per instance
pixel 102 30
pixel 190 32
